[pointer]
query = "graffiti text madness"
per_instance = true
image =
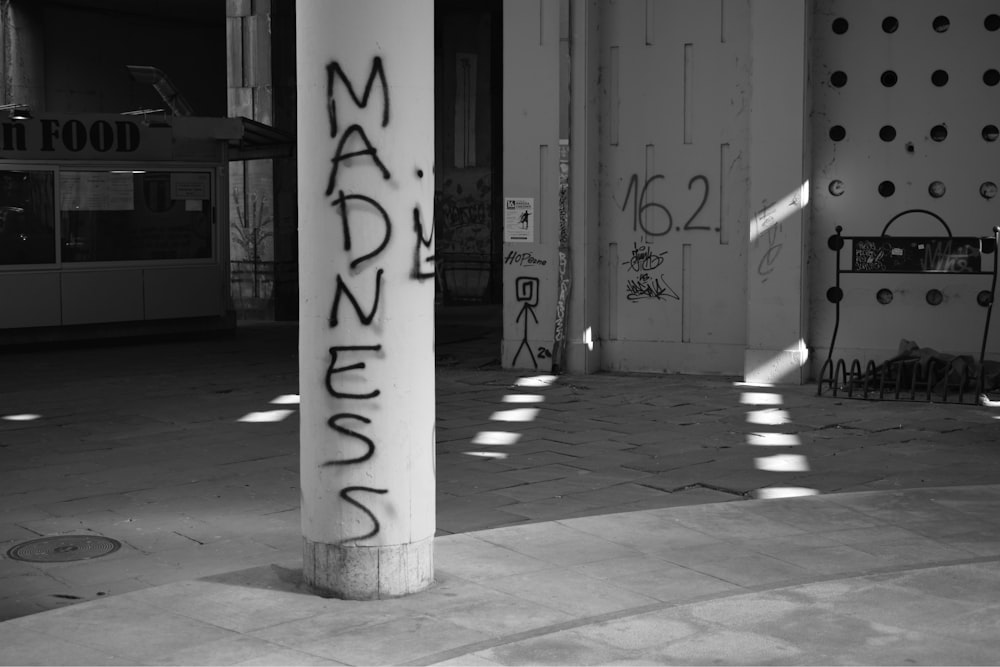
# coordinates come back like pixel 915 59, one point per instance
pixel 365 275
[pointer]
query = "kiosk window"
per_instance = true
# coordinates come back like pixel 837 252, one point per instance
pixel 109 216
pixel 27 226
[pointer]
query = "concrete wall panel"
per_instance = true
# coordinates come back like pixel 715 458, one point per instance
pixel 674 185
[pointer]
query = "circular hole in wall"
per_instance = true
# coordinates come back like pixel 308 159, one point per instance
pixel 990 132
pixel 936 189
pixel 840 25
pixel 887 133
pixel 992 22
pixel 939 133
pixel 941 24
pixel 984 298
pixel 991 77
pixel 939 77
pixel 890 24
pixel 889 78
pixel 988 190
pixel 934 297
pixel 884 296
pixel 838 79
pixel 836 188
pixel 837 133
pixel 886 188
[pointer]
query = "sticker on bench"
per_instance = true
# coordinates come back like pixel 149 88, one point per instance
pixel 898 254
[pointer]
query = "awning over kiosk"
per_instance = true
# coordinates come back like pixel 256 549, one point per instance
pixel 260 141
pixel 248 139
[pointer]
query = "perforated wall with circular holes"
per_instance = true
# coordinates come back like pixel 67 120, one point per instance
pixel 906 111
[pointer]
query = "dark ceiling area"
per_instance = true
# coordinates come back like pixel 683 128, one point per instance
pixel 199 11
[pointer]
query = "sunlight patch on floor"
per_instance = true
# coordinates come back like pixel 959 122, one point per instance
pixel 516 415
pixel 769 417
pixel 266 416
pixel 496 438
pixel 521 415
pixel 523 398
pixel 21 418
pixel 781 463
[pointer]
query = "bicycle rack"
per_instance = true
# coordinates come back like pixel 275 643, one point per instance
pixel 910 378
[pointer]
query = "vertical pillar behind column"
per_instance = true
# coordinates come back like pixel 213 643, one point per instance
pixel 779 166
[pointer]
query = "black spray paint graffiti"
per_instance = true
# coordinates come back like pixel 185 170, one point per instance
pixel 767 221
pixel 644 259
pixel 526 290
pixel 334 423
pixel 340 156
pixel 341 289
pixel 334 74
pixel 333 369
pixel 355 144
pixel 513 258
pixel 644 286
pixel 341 203
pixel 423 254
pixel 655 219
pixel 345 495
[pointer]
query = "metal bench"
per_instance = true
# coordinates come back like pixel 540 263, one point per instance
pixel 915 374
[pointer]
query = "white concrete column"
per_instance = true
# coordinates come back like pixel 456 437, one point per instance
pixel 365 75
pixel 777 294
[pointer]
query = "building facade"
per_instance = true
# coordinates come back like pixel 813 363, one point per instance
pixel 122 167
pixel 642 185
pixel 683 166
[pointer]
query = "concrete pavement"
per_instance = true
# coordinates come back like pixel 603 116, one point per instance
pixel 902 577
pixel 582 519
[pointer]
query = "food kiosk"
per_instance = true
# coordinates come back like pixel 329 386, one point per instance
pixel 116 224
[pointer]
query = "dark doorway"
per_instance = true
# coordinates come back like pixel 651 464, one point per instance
pixel 468 50
pixel 468 127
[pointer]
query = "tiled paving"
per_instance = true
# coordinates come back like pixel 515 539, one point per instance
pixel 144 443
pixel 658 586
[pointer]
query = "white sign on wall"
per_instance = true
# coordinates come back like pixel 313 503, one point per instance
pixel 518 220
pixel 96 191
pixel 190 185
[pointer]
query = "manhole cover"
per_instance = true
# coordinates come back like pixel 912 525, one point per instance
pixel 62 548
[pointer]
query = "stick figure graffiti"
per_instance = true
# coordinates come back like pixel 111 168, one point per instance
pixel 526 289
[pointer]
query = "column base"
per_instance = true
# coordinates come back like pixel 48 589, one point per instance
pixel 367 573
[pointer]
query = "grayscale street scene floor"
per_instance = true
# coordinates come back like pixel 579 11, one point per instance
pixel 599 519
